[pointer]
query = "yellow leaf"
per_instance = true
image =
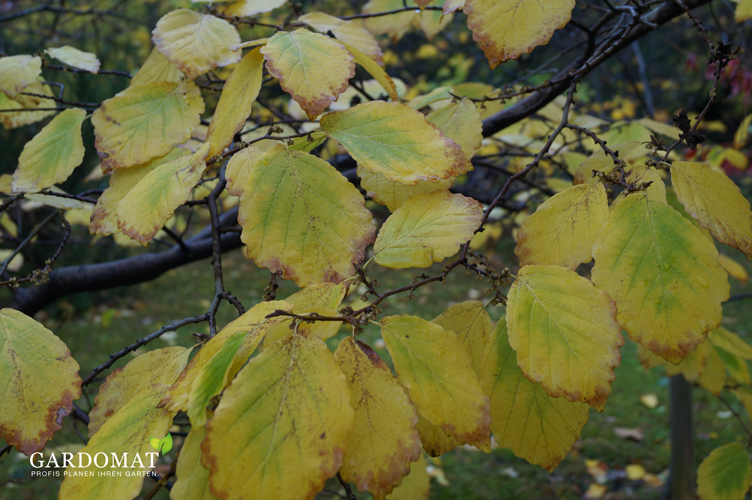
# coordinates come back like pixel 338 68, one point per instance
pixel 145 122
pixel 157 68
pixel 290 415
pixel 75 58
pixel 662 273
pixel 383 442
pixel 52 155
pixel 435 96
pixel 312 68
pixel 153 200
pixel 432 22
pixel 693 365
pixel 602 162
pixel 731 342
pixel 254 322
pixel 248 8
pixel 39 380
pixel 434 367
pixel 196 43
pixel 15 119
pixel 525 419
pixel 435 441
pixel 460 122
pixel 376 71
pixel 724 474
pixel 743 10
pixel 128 432
pixel 394 25
pixel 506 29
pixel 715 202
pixel 192 477
pixel 395 140
pixel 742 133
pixel 239 169
pixel 563 229
pixel 427 228
pixel 161 366
pixel 733 268
pixel 564 332
pixel 453 5
pixel 319 225
pixel 472 324
pixel 234 106
pixel 17 72
pixel 394 194
pixel 122 181
pixel 713 376
pixel 349 32
pixel 416 484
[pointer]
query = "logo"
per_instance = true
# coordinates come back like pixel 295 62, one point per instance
pixel 163 445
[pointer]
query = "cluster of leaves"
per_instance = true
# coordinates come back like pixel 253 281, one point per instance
pixel 273 412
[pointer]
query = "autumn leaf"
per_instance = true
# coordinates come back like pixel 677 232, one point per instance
pixel 153 200
pixel 18 72
pixel 662 273
pixel 289 409
pixel 506 29
pixel 383 442
pixel 564 332
pixel 715 202
pixel 145 122
pixel 460 121
pixel 374 69
pixel 248 8
pixel 239 169
pixel 196 43
pixel 395 140
pixel 127 432
pixel 416 484
pixel 312 68
pixel 234 106
pixel 319 226
pixel 724 474
pixel 434 367
pixel 40 382
pixel 160 366
pixel 563 228
pixel 192 477
pixel 350 32
pixel 524 418
pixel 13 119
pixel 394 194
pixel 52 155
pixel 75 58
pixel 157 68
pixel 473 326
pixel 427 228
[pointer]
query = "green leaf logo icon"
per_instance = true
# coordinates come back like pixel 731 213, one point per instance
pixel 163 445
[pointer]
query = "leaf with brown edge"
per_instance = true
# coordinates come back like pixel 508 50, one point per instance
pixel 145 122
pixel 524 418
pixel 435 441
pixel 235 103
pixel 383 441
pixel 192 477
pixel 104 219
pixel 18 72
pixel 394 194
pixel 255 323
pixel 565 333
pixel 416 485
pixel 196 43
pixel 715 202
pixel 153 200
pixel 303 219
pixel 312 68
pixel 563 228
pixel 397 141
pixel 434 367
pixel 14 117
pixel 286 415
pixel 39 379
pixel 160 366
pixel 506 29
pixel 460 121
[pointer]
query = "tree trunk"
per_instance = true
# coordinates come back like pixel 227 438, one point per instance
pixel 682 479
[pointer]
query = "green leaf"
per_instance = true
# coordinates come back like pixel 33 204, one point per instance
pixel 724 474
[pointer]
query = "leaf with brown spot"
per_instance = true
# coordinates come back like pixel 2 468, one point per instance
pixel 39 379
